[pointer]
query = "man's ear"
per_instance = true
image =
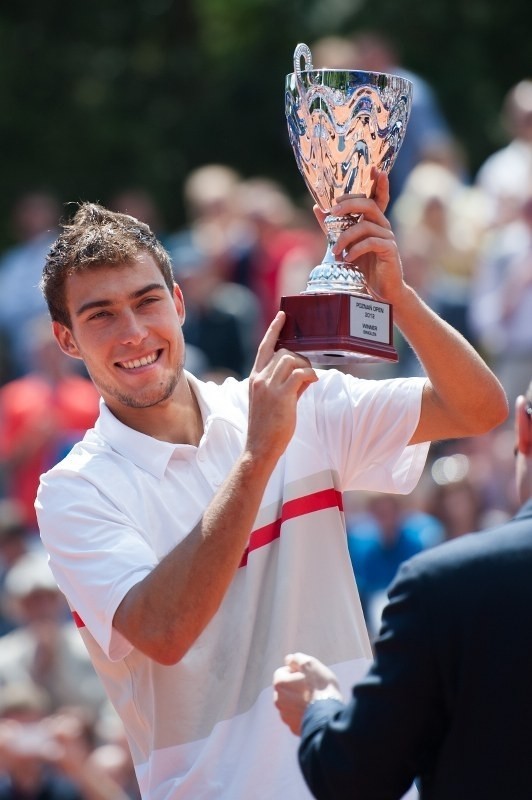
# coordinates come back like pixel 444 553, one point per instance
pixel 179 303
pixel 65 340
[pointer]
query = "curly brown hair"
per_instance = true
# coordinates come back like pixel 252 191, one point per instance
pixel 96 237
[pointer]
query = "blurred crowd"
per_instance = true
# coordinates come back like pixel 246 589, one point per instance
pixel 466 245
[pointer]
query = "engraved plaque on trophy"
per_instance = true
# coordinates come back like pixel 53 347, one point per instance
pixel 341 123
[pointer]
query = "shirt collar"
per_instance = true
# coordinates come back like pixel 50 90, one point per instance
pixel 153 454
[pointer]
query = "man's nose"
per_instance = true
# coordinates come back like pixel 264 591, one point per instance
pixel 133 330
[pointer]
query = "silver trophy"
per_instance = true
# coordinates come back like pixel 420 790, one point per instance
pixel 341 123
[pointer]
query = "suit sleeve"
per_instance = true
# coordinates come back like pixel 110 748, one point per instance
pixel 388 733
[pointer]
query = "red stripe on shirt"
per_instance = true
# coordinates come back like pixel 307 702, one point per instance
pixel 327 498
pixel 77 619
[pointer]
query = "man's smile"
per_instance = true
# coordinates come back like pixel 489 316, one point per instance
pixel 140 362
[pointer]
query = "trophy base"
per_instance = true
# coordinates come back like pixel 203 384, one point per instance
pixel 337 328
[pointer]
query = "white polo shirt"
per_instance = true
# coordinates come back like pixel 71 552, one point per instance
pixel 206 728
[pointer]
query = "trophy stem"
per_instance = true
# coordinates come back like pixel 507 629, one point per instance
pixel 334 275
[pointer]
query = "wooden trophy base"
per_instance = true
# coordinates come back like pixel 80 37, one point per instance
pixel 335 328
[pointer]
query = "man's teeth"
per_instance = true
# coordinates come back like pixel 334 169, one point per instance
pixel 139 362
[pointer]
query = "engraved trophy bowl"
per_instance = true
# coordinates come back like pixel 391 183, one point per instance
pixel 341 123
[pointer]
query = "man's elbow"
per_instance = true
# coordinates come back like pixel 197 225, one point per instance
pixel 167 656
pixel 165 644
pixel 481 414
pixel 161 648
pixel 494 412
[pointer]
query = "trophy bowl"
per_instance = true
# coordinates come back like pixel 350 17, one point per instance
pixel 341 123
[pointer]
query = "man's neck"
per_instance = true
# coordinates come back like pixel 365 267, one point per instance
pixel 177 420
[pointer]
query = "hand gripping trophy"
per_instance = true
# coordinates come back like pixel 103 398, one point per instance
pixel 341 123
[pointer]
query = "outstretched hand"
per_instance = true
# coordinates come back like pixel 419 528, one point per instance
pixel 301 681
pixel 369 244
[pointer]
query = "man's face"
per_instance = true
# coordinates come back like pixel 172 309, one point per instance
pixel 126 327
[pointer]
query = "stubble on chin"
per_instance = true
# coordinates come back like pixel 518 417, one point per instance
pixel 151 397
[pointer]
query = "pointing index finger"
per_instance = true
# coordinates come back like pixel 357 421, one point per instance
pixel 266 348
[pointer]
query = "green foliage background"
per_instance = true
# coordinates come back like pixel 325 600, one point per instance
pixel 102 95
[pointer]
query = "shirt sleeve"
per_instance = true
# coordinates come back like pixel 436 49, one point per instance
pixel 95 553
pixel 366 426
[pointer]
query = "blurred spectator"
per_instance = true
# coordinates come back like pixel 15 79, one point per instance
pixel 379 541
pixel 14 543
pixel 139 203
pixel 428 136
pixel 114 761
pixel 506 175
pixel 479 472
pixel 212 225
pixel 242 304
pixel 45 650
pixel 224 321
pixel 251 239
pixel 283 244
pixel 41 415
pixel 223 334
pixel 440 223
pixel 47 757
pixel 501 302
pixel 455 499
pixel 14 535
pixel 493 467
pixel 335 52
pixel 112 753
pixel 35 218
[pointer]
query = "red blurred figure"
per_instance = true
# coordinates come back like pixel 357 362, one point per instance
pixel 41 415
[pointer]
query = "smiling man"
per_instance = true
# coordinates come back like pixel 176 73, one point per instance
pixel 197 531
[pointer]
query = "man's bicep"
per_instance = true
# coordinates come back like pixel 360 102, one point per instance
pixel 434 422
pixel 129 610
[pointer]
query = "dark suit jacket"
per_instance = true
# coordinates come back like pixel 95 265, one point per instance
pixel 449 697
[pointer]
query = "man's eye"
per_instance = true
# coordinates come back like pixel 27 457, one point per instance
pixel 99 315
